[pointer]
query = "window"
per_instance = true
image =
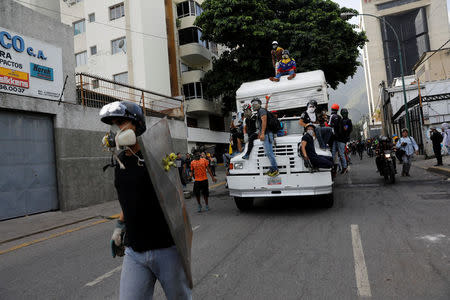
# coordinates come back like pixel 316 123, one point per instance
pixel 91 17
pixel 95 83
pixel 192 90
pixel 189 8
pixel 184 67
pixel 191 35
pixel 119 45
pixel 120 78
pixel 394 4
pixel 116 11
pixel 79 27
pixel 93 50
pixel 81 58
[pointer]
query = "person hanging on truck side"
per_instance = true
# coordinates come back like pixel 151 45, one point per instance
pixel 338 144
pixel 309 152
pixel 265 135
pixel 312 115
pixel 250 134
pixel 286 66
pixel 276 53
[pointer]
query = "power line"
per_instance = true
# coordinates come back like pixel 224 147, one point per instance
pixel 435 51
pixel 100 23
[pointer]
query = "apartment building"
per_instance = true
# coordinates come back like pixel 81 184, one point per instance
pixel 152 45
pixel 421 25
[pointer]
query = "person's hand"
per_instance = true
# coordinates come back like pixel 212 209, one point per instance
pixel 246 138
pixel 214 179
pixel 416 152
pixel 261 137
pixel 117 233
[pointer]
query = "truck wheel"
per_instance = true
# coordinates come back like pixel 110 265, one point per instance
pixel 328 201
pixel 243 204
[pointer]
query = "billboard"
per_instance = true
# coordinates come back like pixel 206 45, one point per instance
pixel 29 67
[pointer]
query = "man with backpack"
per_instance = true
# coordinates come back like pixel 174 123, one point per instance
pixel 266 124
pixel 339 137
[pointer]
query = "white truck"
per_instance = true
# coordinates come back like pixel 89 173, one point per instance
pixel 246 179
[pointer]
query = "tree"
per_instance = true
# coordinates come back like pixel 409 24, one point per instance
pixel 311 29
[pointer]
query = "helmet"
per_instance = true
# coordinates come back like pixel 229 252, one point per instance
pixel 246 107
pixel 285 52
pixel 335 106
pixel 312 103
pixel 126 110
pixel 256 99
pixel 274 43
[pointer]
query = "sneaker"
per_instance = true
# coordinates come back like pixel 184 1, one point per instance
pixel 245 157
pixel 274 79
pixel 291 76
pixel 274 173
pixel 206 208
pixel 199 208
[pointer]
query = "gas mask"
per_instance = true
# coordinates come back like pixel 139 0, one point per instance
pixel 285 56
pixel 311 109
pixel 256 105
pixel 310 132
pixel 275 47
pixel 119 138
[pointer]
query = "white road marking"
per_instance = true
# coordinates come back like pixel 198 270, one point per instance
pixel 433 237
pixel 104 276
pixel 362 279
pixel 195 228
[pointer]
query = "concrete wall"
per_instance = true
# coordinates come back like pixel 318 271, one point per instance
pixel 77 129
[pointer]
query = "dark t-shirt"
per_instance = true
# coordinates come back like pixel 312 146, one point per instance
pixel 146 227
pixel 347 128
pixel 310 151
pixel 261 112
pixel 250 123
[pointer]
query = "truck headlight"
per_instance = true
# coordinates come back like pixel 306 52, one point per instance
pixel 238 166
pixel 387 155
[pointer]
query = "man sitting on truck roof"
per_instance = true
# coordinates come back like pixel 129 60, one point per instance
pixel 276 53
pixel 265 135
pixel 309 152
pixel 312 115
pixel 286 66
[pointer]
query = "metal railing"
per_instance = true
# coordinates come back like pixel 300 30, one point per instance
pixel 95 91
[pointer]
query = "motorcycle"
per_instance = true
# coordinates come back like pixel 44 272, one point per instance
pixel 386 166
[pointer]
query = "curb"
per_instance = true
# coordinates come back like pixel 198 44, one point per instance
pixel 439 170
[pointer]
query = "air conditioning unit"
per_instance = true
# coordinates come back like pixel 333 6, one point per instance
pixel 70 2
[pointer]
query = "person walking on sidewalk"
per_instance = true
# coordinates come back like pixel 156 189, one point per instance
pixel 150 252
pixel 408 146
pixel 436 139
pixel 265 135
pixel 199 166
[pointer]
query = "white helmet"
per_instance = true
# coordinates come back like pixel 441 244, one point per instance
pixel 274 43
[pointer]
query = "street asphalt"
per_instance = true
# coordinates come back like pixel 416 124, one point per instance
pixel 378 241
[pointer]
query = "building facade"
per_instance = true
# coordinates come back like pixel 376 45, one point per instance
pixel 161 51
pixel 422 25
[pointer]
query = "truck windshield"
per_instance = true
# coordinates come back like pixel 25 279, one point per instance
pixel 292 127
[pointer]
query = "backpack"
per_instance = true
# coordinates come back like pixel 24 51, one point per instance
pixel 273 124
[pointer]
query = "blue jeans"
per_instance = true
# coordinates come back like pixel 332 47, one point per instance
pixel 323 135
pixel 268 142
pixel 141 269
pixel 339 147
pixel 284 73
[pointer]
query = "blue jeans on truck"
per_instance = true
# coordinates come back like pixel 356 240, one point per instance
pixel 268 148
pixel 339 147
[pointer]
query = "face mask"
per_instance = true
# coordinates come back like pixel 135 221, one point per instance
pixel 274 47
pixel 310 132
pixel 285 57
pixel 311 109
pixel 256 106
pixel 119 138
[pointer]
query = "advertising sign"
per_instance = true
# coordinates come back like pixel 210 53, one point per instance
pixel 29 67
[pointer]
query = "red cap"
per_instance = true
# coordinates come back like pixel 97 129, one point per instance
pixel 335 106
pixel 274 111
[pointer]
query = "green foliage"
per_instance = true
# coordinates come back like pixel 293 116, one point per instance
pixel 311 30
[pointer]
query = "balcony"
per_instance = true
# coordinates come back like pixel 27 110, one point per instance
pixel 208 136
pixel 200 105
pixel 195 54
pixel 192 76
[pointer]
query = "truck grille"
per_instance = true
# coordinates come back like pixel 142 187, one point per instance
pixel 279 150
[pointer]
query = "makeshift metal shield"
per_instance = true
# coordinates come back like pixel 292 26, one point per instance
pixel 156 144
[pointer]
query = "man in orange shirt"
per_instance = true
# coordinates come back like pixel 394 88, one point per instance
pixel 198 171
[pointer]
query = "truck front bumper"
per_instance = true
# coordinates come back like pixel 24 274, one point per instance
pixel 296 184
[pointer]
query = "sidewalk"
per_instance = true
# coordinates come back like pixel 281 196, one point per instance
pixel 428 164
pixel 21 227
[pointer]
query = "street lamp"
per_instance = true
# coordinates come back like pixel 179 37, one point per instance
pixel 350 14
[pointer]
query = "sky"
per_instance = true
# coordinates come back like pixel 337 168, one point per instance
pixel 356 4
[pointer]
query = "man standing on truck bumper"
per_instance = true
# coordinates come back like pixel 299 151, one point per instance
pixel 265 135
